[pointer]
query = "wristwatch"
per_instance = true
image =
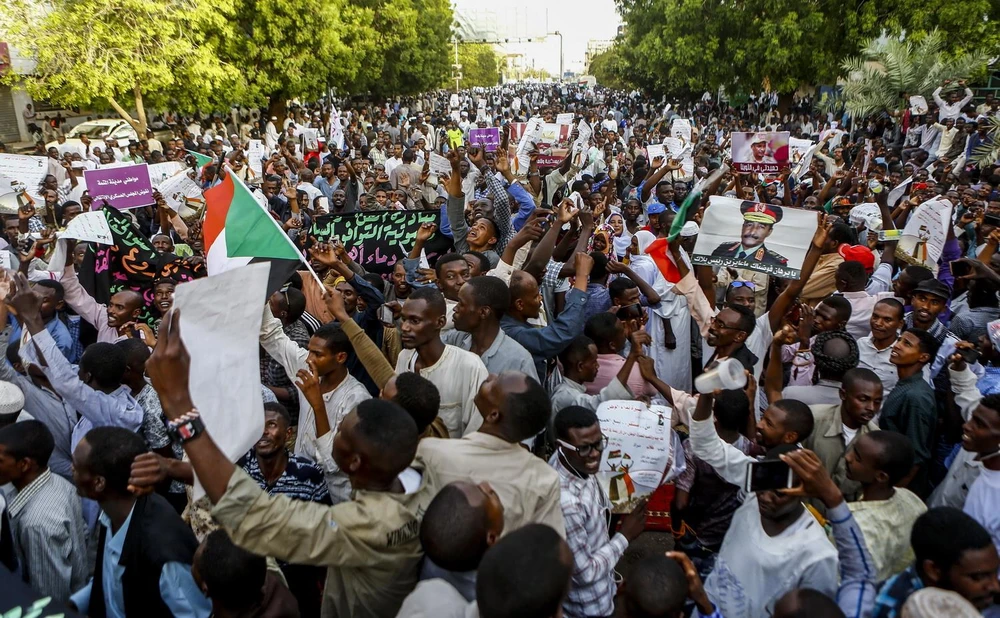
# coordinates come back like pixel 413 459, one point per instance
pixel 186 427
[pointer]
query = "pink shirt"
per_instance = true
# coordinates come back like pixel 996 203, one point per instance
pixel 609 366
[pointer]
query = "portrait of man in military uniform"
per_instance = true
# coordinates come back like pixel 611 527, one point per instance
pixel 758 223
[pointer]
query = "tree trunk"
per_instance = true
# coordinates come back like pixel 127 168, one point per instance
pixel 141 112
pixel 278 109
pixel 125 115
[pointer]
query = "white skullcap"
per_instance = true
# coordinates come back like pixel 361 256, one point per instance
pixel 690 229
pixel 935 602
pixel 11 399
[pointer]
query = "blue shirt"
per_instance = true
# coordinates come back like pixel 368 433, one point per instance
pixel 177 587
pixel 892 596
pixel 60 333
pixel 548 342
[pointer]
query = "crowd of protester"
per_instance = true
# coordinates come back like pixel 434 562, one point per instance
pixel 431 435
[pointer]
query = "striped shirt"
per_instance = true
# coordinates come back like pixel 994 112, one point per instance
pixel 49 538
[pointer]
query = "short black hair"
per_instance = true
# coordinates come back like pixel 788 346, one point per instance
pixel 573 417
pixel 53 285
pixel 854 273
pixel 602 327
pixel 859 375
pixel 943 534
pixel 28 440
pixel 484 262
pixel 112 451
pixel 136 351
pixel 432 296
pixel 895 304
pixel 105 362
pixel 843 233
pixel 617 287
pixel 798 417
pixel 918 274
pixel 334 337
pixel 390 431
pixel 748 321
pixel 296 303
pixel 840 305
pixel 419 397
pixel 655 587
pixel 525 575
pixel 813 604
pixel 490 292
pixel 731 409
pixel 527 413
pixel 895 456
pixel 447 258
pixel 577 350
pixel 600 267
pixel 452 532
pixel 280 410
pixel 928 342
pixel 234 577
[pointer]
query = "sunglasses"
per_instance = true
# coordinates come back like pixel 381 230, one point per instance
pixel 742 284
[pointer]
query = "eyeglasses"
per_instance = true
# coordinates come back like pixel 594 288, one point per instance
pixel 717 323
pixel 586 449
pixel 742 284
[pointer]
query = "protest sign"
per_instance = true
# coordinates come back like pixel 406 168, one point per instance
pixel 121 187
pixel 761 237
pixel 925 234
pixel 439 165
pixel 158 172
pixel 655 150
pixel 256 154
pixel 374 239
pixel 515 104
pixel 866 216
pixel 802 168
pixel 182 194
pixel 638 454
pixel 488 138
pixel 681 151
pixel 89 226
pixel 219 323
pixel 551 140
pixel 761 152
pixel 798 148
pixel 24 173
pixel 898 191
pixel 566 118
pixel 681 129
pixel 918 105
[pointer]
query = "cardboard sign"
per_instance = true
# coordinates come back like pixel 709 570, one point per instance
pixel 122 187
pixel 488 138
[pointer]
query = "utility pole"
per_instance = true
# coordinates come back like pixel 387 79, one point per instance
pixel 456 68
pixel 561 72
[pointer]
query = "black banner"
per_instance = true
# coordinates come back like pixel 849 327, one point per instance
pixel 131 264
pixel 377 240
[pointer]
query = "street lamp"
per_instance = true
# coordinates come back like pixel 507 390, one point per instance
pixel 559 34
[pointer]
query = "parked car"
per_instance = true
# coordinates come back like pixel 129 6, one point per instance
pixel 103 128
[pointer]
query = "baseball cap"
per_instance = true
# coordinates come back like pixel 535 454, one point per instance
pixel 655 208
pixel 935 287
pixel 858 253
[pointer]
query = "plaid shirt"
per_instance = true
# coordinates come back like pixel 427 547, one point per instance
pixel 586 511
pixel 892 596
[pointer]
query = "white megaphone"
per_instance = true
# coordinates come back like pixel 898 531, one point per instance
pixel 727 374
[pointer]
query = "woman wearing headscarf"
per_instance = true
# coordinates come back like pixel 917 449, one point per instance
pixel 620 236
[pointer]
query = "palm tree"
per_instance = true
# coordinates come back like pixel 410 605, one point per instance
pixel 888 69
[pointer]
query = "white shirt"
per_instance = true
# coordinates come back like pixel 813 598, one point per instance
pixel 878 361
pixel 458 374
pixel 983 502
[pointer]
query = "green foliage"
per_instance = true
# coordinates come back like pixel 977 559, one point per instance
pixel 888 69
pixel 610 68
pixel 689 46
pixel 480 66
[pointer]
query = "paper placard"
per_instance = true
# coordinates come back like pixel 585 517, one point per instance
pixel 178 190
pixel 91 227
pixel 255 154
pixel 488 138
pixel 220 322
pixel 918 105
pixel 440 165
pixel 566 118
pixel 158 172
pixel 24 173
pixel 637 457
pixel 681 129
pixel 925 234
pixel 763 152
pixel 655 150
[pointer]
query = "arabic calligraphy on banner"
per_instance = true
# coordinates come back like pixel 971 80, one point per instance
pixel 121 187
pixel 377 240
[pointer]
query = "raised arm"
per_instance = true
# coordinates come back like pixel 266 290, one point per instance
pixel 784 301
pixel 80 301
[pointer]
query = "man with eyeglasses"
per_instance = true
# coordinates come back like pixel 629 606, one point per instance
pixel 587 513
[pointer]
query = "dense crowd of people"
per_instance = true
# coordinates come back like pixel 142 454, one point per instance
pixel 431 436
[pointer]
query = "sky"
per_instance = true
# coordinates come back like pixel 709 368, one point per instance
pixel 598 21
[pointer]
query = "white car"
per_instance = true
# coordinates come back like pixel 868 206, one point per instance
pixel 97 131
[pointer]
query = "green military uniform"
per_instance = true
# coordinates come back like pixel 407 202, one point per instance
pixel 371 544
pixel 827 441
pixel 760 255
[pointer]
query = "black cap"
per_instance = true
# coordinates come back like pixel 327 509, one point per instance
pixel 935 287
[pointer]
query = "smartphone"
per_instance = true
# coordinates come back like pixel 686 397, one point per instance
pixel 969 355
pixel 768 475
pixel 629 312
pixel 385 315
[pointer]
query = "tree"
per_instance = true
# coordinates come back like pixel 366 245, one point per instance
pixel 480 66
pixel 610 68
pixel 689 46
pixel 116 53
pixel 889 69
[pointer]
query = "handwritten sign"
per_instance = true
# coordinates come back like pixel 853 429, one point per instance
pixel 566 118
pixel 89 226
pixel 24 173
pixel 121 187
pixel 439 165
pixel 377 240
pixel 255 154
pixel 488 138
pixel 639 447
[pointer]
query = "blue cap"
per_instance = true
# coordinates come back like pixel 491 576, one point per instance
pixel 655 208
